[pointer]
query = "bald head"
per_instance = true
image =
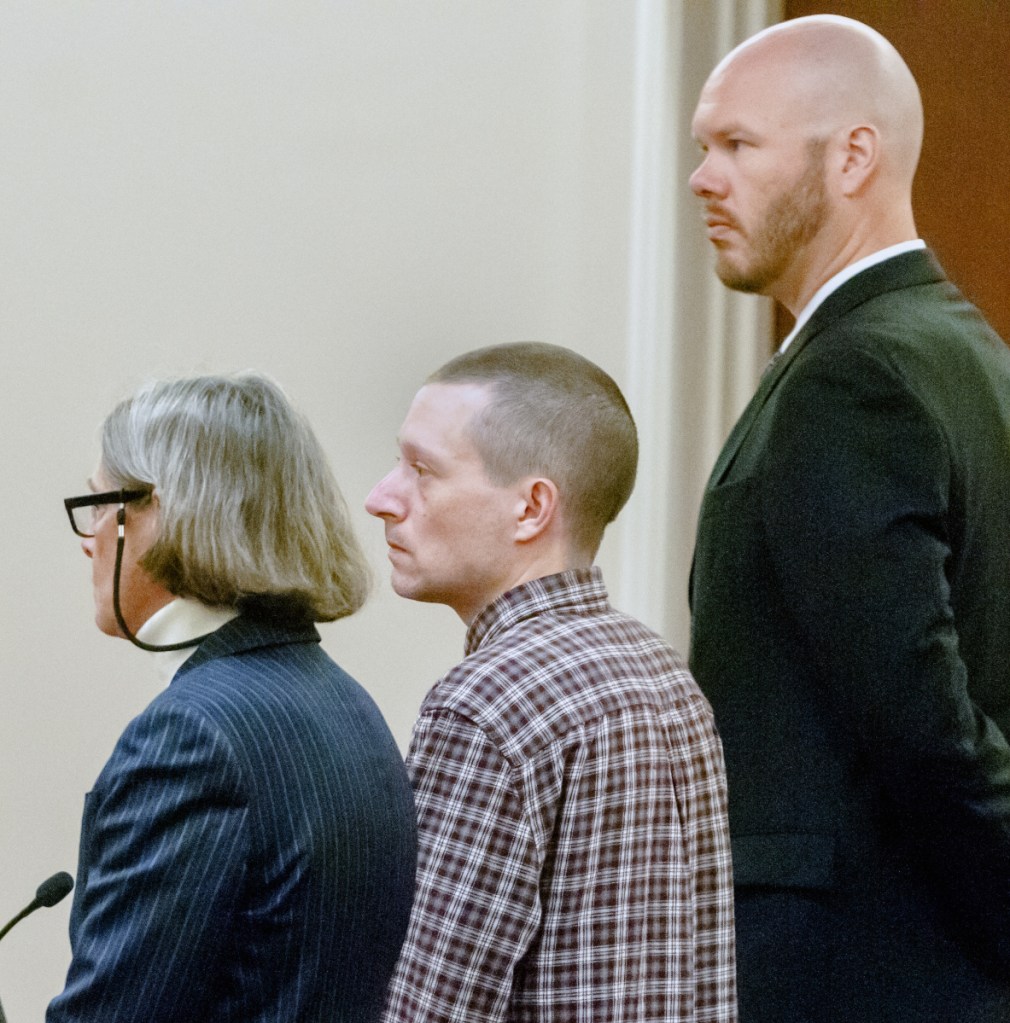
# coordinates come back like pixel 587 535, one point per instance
pixel 811 132
pixel 832 73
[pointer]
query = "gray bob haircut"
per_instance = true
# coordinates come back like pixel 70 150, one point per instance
pixel 553 413
pixel 249 513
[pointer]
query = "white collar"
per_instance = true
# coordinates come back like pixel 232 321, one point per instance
pixel 180 619
pixel 844 275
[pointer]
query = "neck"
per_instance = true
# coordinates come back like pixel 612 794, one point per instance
pixel 541 561
pixel 843 243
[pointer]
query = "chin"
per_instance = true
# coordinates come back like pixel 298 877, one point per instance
pixel 403 587
pixel 108 628
pixel 737 278
pixel 412 590
pixel 105 619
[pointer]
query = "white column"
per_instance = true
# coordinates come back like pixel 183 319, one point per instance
pixel 695 349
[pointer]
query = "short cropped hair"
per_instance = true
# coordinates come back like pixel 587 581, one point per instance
pixel 553 413
pixel 249 513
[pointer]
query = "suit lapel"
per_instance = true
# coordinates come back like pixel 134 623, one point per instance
pixel 770 379
pixel 904 271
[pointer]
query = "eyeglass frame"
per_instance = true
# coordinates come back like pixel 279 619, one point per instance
pixel 120 497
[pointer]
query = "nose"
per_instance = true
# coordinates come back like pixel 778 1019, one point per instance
pixel 88 546
pixel 703 181
pixel 382 502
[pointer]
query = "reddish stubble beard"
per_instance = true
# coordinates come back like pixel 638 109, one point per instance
pixel 791 220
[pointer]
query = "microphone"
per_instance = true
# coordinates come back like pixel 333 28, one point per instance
pixel 51 891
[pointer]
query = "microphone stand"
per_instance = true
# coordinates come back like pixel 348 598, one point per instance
pixel 51 891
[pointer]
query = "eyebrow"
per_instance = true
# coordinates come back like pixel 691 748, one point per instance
pixel 723 133
pixel 412 450
pixel 719 128
pixel 418 452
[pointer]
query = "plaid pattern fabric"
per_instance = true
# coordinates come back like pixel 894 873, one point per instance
pixel 574 851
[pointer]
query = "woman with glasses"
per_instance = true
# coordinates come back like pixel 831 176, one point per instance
pixel 248 851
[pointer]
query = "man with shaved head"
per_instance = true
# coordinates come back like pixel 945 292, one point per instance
pixel 851 584
pixel 573 851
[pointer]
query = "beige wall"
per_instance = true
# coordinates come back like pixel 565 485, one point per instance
pixel 342 195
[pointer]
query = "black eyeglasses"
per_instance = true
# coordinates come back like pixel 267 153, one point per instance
pixel 83 511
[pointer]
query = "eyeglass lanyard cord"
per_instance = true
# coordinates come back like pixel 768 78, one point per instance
pixel 153 647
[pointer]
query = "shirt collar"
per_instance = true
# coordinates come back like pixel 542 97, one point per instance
pixel 180 619
pixel 841 277
pixel 578 589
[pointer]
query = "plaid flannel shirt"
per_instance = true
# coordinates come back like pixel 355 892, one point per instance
pixel 574 850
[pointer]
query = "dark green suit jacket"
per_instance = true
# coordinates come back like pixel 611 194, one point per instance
pixel 851 627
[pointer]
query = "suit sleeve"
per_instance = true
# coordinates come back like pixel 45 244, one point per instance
pixel 858 507
pixel 163 848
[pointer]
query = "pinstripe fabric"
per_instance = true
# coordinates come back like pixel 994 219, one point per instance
pixel 574 853
pixel 248 851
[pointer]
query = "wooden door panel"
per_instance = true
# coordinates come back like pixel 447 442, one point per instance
pixel 959 52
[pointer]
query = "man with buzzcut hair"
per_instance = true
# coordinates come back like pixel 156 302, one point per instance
pixel 573 847
pixel 851 582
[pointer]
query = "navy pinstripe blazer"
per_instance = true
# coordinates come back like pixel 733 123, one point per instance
pixel 248 851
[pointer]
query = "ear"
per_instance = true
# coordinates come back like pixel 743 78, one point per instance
pixel 537 509
pixel 860 158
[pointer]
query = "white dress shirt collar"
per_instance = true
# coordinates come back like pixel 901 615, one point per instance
pixel 844 275
pixel 181 619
